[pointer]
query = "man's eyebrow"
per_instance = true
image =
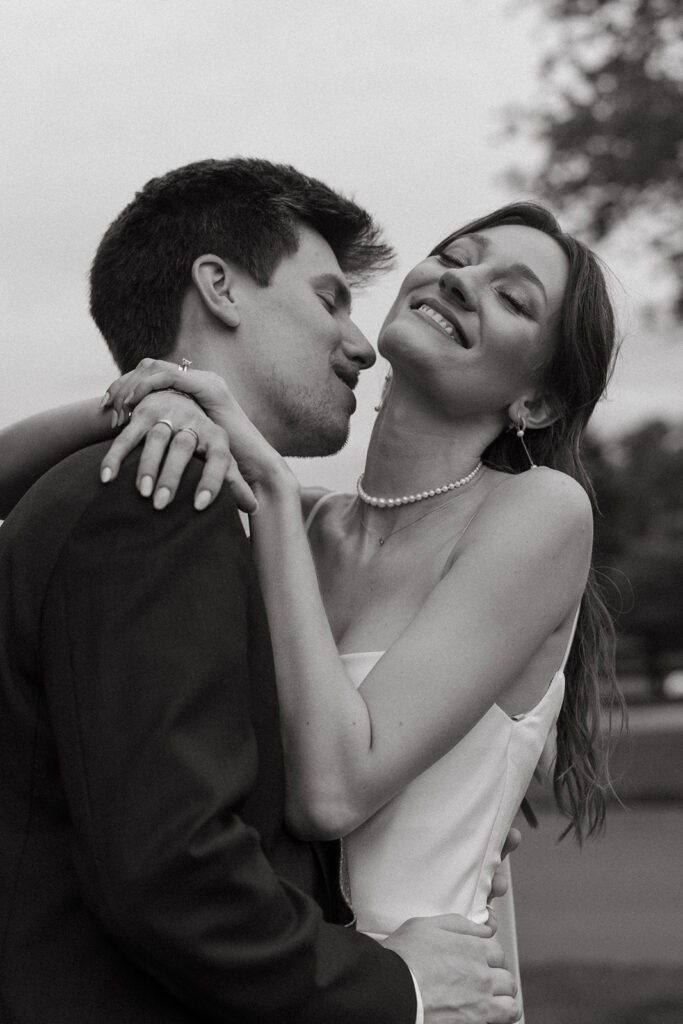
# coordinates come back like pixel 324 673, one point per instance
pixel 342 293
pixel 520 269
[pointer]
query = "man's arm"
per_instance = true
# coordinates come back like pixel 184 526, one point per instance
pixel 32 446
pixel 147 675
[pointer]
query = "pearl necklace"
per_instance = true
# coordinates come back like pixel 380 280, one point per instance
pixel 409 499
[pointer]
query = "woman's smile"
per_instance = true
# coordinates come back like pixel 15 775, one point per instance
pixel 444 319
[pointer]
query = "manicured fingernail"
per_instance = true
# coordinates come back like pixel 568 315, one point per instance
pixel 161 498
pixel 105 400
pixel 105 475
pixel 146 486
pixel 202 500
pixel 114 420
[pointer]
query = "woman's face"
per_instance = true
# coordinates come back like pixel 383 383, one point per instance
pixel 475 324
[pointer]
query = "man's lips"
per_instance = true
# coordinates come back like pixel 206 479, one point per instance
pixel 444 319
pixel 347 376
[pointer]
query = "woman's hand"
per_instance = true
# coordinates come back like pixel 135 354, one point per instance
pixel 176 426
pixel 174 429
pixel 208 389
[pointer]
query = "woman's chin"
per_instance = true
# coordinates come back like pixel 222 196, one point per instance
pixel 396 341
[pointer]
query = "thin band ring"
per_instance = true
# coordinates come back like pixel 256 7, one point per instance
pixel 168 424
pixel 189 431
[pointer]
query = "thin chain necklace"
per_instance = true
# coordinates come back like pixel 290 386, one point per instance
pixel 409 499
pixel 437 508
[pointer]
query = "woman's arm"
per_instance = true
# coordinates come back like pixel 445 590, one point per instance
pixel 32 446
pixel 516 582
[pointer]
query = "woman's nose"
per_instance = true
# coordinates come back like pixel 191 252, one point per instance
pixel 457 286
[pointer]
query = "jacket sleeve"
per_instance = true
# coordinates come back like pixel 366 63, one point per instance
pixel 145 649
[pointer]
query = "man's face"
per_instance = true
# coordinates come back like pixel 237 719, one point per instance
pixel 300 351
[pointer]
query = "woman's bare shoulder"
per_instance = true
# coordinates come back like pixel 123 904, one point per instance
pixel 542 510
pixel 539 492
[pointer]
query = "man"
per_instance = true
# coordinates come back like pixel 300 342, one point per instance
pixel 146 871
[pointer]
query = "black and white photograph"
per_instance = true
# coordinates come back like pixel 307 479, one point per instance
pixel 341 512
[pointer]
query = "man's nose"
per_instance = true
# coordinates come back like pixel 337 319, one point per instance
pixel 357 347
pixel 457 286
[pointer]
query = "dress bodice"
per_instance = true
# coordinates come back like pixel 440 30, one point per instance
pixel 433 848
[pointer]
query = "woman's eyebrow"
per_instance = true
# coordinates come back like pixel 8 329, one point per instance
pixel 520 269
pixel 481 241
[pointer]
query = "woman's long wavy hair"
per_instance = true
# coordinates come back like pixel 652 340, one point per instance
pixel 575 375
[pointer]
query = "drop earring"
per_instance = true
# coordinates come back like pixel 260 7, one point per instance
pixel 385 389
pixel 520 427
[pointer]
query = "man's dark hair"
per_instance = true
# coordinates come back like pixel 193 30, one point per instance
pixel 246 211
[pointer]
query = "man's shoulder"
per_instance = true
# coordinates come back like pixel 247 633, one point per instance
pixel 72 492
pixel 60 494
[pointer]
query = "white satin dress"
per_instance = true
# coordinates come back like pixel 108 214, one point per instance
pixel 434 848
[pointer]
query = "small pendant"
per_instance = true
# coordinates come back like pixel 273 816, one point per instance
pixel 381 541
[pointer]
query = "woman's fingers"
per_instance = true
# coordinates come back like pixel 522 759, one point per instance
pixel 120 388
pixel 138 388
pixel 221 468
pixel 121 446
pixel 210 390
pixel 157 441
pixel 512 841
pixel 173 430
pixel 180 449
pixel 499 883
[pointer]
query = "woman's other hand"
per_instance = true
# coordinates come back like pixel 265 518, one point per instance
pixel 174 429
pixel 207 388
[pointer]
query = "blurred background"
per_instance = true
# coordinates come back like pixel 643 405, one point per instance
pixel 428 114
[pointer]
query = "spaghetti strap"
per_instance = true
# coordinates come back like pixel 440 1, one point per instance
pixel 314 511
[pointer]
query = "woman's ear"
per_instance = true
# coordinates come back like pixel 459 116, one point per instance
pixel 535 412
pixel 214 280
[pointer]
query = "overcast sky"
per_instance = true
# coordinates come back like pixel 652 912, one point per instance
pixel 397 103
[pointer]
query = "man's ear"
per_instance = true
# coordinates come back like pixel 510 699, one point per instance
pixel 214 280
pixel 536 412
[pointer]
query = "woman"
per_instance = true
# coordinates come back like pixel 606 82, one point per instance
pixel 418 695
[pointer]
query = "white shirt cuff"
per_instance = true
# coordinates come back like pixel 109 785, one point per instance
pixel 420 1015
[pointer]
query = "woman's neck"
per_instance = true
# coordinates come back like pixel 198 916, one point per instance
pixel 412 450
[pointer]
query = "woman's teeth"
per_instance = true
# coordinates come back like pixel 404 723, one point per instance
pixel 444 324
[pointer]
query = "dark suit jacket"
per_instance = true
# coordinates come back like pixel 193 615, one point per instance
pixel 145 871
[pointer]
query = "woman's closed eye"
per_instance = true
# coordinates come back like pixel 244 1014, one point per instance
pixel 518 305
pixel 328 300
pixel 452 259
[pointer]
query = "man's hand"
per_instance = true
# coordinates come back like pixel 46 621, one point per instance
pixel 499 884
pixel 459 968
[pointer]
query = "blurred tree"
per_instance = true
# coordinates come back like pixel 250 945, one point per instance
pixel 611 119
pixel 639 541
